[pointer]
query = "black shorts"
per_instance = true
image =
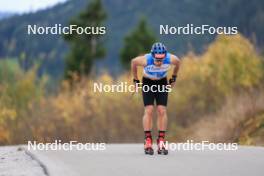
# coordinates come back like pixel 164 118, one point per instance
pixel 160 96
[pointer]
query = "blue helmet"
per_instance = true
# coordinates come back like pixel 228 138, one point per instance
pixel 158 48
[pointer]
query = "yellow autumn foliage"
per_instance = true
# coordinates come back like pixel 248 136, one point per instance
pixel 229 67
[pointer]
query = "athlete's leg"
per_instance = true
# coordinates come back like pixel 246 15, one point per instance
pixel 162 118
pixel 147 125
pixel 162 100
pixel 162 126
pixel 148 99
pixel 147 118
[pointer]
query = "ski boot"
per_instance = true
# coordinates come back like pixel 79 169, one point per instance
pixel 162 149
pixel 148 146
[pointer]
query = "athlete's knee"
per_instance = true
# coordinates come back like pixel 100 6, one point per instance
pixel 149 111
pixel 161 110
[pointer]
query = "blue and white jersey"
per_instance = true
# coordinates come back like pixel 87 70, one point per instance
pixel 155 72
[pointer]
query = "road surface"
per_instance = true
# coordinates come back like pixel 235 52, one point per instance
pixel 129 160
pixel 16 162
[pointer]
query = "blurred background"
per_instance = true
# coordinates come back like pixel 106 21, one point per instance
pixel 46 81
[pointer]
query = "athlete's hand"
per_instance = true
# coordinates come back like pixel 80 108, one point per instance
pixel 173 80
pixel 136 83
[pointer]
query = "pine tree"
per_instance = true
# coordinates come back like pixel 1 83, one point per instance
pixel 137 42
pixel 85 48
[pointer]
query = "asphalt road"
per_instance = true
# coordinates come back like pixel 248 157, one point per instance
pixel 129 159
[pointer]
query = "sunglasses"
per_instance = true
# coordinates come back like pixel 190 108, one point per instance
pixel 158 60
pixel 159 57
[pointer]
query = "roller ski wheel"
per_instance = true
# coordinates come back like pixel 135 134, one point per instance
pixel 163 152
pixel 149 151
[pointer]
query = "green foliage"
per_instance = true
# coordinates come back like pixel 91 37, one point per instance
pixel 9 70
pixel 85 48
pixel 137 42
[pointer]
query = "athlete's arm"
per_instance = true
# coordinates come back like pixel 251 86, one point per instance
pixel 176 62
pixel 138 61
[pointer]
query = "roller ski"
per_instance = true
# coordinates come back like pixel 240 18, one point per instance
pixel 162 149
pixel 148 147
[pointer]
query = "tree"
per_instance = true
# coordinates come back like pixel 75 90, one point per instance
pixel 85 48
pixel 137 42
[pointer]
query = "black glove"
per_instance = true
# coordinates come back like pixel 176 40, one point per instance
pixel 136 81
pixel 173 79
